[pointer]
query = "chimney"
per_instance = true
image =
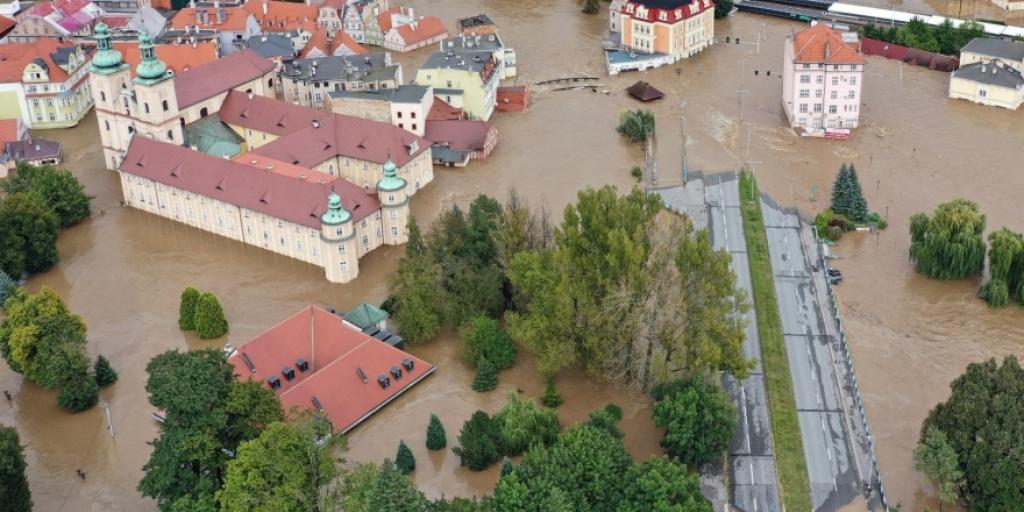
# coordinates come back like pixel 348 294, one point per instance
pixel 316 123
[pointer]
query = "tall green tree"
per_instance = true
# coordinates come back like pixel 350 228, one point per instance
pixel 207 415
pixel 414 286
pixel 436 438
pixel 698 419
pixel 486 377
pixel 664 485
pixel 405 461
pixel 393 492
pixel 28 234
pixel 524 423
pixel 847 195
pixel 187 309
pixel 14 491
pixel 286 468
pixel 209 317
pixel 104 373
pixel 937 460
pixel 484 340
pixel 638 125
pixel 479 442
pixel 356 485
pixel 59 189
pixel 949 245
pixel 1006 269
pixel 983 422
pixel 79 393
pixel 723 8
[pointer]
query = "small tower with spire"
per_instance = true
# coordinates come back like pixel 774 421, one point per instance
pixel 154 91
pixel 393 192
pixel 109 75
pixel 340 251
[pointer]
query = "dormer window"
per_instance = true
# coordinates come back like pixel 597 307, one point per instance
pixel 663 16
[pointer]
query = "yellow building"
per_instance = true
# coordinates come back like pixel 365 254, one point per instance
pixel 44 83
pixel 463 79
pixel 678 29
pixel 990 73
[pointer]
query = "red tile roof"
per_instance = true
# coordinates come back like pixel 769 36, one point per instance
pixel 334 350
pixel 212 78
pixel 320 40
pixel 6 25
pixel 821 43
pixel 66 7
pixel 384 18
pixel 281 16
pixel 440 110
pixel 235 19
pixel 256 188
pixel 15 56
pixel 673 11
pixel 8 130
pixel 303 144
pixel 422 30
pixel 462 135
pixel 178 57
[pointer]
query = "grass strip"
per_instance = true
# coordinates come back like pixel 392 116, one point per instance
pixel 789 448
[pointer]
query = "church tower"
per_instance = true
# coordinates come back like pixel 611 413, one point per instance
pixel 108 76
pixel 156 105
pixel 394 199
pixel 341 255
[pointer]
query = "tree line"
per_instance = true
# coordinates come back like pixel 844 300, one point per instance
pixel 945 38
pixel 620 288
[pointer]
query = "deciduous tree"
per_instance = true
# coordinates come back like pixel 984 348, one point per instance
pixel 60 190
pixel 28 234
pixel 664 485
pixel 523 423
pixel 484 340
pixel 698 419
pixel 414 286
pixel 937 460
pixel 948 245
pixel 7 287
pixel 14 491
pixel 1006 269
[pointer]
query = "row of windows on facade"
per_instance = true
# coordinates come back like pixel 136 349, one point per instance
pixel 818 93
pixel 832 109
pixel 806 79
pixel 832 123
pixel 835 67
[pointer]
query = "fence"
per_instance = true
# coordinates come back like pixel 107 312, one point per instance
pixel 844 351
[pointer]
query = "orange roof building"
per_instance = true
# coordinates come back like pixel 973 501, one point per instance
pixel 178 57
pixel 317 360
pixel 425 31
pixel 822 77
pixel 277 16
pixel 47 93
pixel 322 44
pixel 229 22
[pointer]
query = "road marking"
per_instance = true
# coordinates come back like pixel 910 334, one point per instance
pixel 828 452
pixel 751 473
pixel 819 397
pixel 755 504
pixel 746 424
pixel 834 486
pixel 823 425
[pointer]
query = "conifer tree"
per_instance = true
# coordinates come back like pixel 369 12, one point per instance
pixel 209 317
pixel 551 398
pixel 858 205
pixel 506 467
pixel 436 438
pixel 104 373
pixel 486 377
pixel 405 462
pixel 839 187
pixel 187 309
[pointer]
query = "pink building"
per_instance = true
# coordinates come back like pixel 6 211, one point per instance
pixel 823 72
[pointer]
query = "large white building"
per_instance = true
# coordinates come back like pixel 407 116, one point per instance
pixel 821 83
pixel 990 73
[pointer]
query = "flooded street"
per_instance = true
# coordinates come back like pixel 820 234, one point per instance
pixel 123 270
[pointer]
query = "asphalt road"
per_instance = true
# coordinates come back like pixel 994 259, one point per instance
pixel 751 456
pixel 826 438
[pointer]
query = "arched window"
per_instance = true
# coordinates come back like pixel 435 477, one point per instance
pixel 106 124
pixel 181 121
pixel 103 96
pixel 145 106
pixel 203 112
pixel 270 83
pixel 166 107
pixel 170 134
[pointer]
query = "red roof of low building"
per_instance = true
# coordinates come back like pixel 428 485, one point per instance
pixel 466 135
pixel 665 11
pixel 212 78
pixel 384 18
pixel 300 142
pixel 235 19
pixel 255 188
pixel 335 352
pixel 321 40
pixel 281 16
pixel 178 57
pixel 6 25
pixel 15 56
pixel 9 130
pixel 440 110
pixel 65 7
pixel 422 29
pixel 821 43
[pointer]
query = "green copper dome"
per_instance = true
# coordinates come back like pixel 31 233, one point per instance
pixel 390 182
pixel 106 57
pixel 336 213
pixel 150 69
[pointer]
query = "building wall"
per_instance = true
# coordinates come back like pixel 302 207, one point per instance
pixel 313 93
pixel 985 94
pixel 679 40
pixel 394 41
pixel 374 110
pixel 819 96
pixel 971 57
pixel 259 230
pixel 478 98
pixel 417 172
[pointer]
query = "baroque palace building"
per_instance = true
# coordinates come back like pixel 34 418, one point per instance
pixel 211 147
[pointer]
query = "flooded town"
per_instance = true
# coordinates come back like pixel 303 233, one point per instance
pixel 248 132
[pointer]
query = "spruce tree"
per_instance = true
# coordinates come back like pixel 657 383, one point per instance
pixel 506 467
pixel 405 462
pixel 436 438
pixel 486 377
pixel 209 317
pixel 7 287
pixel 551 398
pixel 105 374
pixel 14 492
pixel 187 309
pixel 858 205
pixel 839 187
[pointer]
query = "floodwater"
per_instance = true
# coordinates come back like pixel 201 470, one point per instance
pixel 123 269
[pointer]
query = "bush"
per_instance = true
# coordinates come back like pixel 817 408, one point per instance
pixel 637 172
pixel 698 419
pixel 486 377
pixel 436 438
pixel 723 8
pixel 523 424
pixel 209 317
pixel 551 398
pixel 506 467
pixel 832 225
pixel 638 125
pixel 483 339
pixel 79 394
pixel 405 462
pixel 104 373
pixel 187 309
pixel 607 419
pixel 478 442
pixel 14 491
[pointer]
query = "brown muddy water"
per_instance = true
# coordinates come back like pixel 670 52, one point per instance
pixel 122 270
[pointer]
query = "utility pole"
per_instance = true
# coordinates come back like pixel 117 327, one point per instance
pixel 739 89
pixel 110 424
pixel 682 124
